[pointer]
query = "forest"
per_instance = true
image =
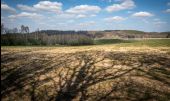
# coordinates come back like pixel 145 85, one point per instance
pixel 13 37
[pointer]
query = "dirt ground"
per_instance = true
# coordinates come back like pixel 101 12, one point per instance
pixel 86 73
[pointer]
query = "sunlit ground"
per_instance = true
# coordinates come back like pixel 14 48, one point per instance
pixel 122 71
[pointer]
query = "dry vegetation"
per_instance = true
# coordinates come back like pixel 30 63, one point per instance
pixel 85 73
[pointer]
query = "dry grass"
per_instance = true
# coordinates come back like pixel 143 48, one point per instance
pixel 86 73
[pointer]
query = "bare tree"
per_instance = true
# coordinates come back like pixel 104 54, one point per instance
pixel 26 28
pixel 15 30
pixel 2 28
pixel 22 29
pixel 36 34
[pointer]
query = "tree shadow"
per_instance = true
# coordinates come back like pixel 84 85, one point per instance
pixel 86 76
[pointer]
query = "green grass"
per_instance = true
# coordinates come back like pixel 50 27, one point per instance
pixel 154 42
pixel 112 41
pixel 146 42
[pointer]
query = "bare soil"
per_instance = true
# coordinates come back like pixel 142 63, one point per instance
pixel 86 73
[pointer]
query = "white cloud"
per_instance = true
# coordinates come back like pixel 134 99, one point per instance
pixel 65 16
pixel 81 16
pixel 49 6
pixel 108 0
pixel 7 8
pixel 126 4
pixel 167 11
pixel 81 11
pixel 43 6
pixel 25 15
pixel 25 7
pixel 85 15
pixel 158 22
pixel 142 14
pixel 92 15
pixel 84 9
pixel 115 18
pixel 87 23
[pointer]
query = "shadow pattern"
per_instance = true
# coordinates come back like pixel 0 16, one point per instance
pixel 85 76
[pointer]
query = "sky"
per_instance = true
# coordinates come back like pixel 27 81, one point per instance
pixel 144 15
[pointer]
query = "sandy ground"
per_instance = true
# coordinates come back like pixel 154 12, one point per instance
pixel 74 49
pixel 86 73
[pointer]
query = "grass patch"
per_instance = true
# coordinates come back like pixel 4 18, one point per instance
pixel 111 41
pixel 144 42
pixel 152 43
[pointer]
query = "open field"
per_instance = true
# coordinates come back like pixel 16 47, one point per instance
pixel 85 50
pixel 124 71
pixel 155 42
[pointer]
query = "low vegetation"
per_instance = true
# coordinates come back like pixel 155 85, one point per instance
pixel 141 42
pixel 111 41
pixel 73 40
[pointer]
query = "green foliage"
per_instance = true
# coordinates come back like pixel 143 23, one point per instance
pixel 79 41
pixel 34 42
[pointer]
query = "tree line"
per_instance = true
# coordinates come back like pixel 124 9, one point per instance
pixel 23 36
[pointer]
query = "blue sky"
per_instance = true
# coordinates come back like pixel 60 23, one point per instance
pixel 144 15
